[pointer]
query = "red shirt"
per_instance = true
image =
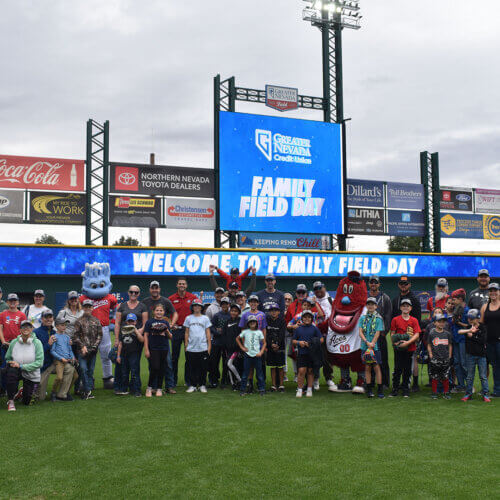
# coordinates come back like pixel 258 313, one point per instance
pixel 11 322
pixel 102 307
pixel 431 303
pixel 400 325
pixel 295 308
pixel 182 305
pixel 229 279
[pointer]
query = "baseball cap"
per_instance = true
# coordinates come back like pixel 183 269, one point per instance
pixel 309 300
pixel 39 292
pixel 251 318
pixel 234 270
pixel 317 285
pixel 404 279
pixel 154 283
pixel 12 296
pixel 235 306
pixel 61 321
pixel 493 286
pixel 219 289
pixel 88 302
pixel 270 277
pixel 272 306
pixel 73 294
pixel 301 288
pixel 371 300
pixel 304 313
pixel 25 322
pixel 439 317
pixel 241 293
pixel 225 300
pixel 374 278
pixel 442 282
pixel 234 285
pixel 473 314
pixel 253 297
pixel 47 312
pixel 406 301
pixel 483 271
pixel 458 293
pixel 131 317
pixel 196 302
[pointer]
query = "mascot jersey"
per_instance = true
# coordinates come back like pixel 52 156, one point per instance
pixel 347 308
pixel 102 307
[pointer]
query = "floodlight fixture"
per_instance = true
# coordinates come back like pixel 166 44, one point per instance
pixel 345 13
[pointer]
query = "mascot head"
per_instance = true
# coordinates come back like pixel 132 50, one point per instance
pixel 348 304
pixel 96 280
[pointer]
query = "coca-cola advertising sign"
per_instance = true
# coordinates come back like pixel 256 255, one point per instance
pixel 47 174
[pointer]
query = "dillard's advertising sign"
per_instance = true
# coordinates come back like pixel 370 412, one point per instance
pixel 47 174
pixel 365 193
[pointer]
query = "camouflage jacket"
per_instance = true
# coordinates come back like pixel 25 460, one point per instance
pixel 88 333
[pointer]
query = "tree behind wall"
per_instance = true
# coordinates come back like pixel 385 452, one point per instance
pixel 47 239
pixel 412 244
pixel 126 242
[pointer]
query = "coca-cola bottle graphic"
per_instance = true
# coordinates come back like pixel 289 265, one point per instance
pixel 73 179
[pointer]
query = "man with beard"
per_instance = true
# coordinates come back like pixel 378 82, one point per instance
pixel 479 296
pixel 439 300
pixel 384 308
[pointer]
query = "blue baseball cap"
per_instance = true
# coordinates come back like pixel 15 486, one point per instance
pixel 473 314
pixel 131 317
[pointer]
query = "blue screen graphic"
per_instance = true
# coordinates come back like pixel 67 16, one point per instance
pixel 280 175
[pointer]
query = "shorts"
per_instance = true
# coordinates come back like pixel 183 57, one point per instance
pixel 378 358
pixel 351 360
pixel 304 361
pixel 439 369
pixel 275 359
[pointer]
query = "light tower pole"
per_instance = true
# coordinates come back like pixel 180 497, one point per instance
pixel 331 17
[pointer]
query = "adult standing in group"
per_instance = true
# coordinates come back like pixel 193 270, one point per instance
pixel 490 316
pixel 34 311
pixel 241 301
pixel 131 306
pixel 270 295
pixel 405 292
pixel 181 301
pixel 71 312
pixel 288 300
pixel 441 296
pixel 151 302
pixel 215 306
pixel 480 295
pixel 384 309
pixel 233 276
pixel 10 322
pixel 296 306
pixel 3 305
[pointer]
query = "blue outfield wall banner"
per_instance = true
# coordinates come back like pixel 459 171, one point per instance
pixel 289 241
pixel 280 174
pixel 70 261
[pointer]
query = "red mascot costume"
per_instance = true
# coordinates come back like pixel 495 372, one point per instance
pixel 343 342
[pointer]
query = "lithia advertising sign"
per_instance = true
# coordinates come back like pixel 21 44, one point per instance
pixel 47 174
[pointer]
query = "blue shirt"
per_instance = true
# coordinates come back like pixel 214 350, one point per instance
pixel 457 338
pixel 43 334
pixel 61 348
pixel 261 319
pixel 305 333
pixel 370 324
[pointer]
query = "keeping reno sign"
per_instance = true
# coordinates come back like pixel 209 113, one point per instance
pixel 64 261
pixel 280 174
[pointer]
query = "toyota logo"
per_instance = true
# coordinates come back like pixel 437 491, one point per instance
pixel 126 178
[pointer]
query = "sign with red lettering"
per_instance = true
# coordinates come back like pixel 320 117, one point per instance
pixel 46 174
pixel 289 240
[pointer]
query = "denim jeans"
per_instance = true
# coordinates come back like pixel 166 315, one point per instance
pixel 459 363
pixel 3 364
pixel 131 367
pixel 480 361
pixel 177 343
pixel 255 363
pixel 87 365
pixel 118 383
pixel 493 355
pixel 169 373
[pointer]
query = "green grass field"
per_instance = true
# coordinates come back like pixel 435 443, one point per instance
pixel 220 445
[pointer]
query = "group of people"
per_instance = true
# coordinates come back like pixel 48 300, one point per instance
pixel 241 333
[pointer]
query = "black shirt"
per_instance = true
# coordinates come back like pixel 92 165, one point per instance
pixel 266 299
pixel 230 331
pixel 476 345
pixel 276 331
pixel 129 341
pixel 440 342
pixel 151 303
pixel 492 322
pixel 157 334
pixel 477 298
pixel 416 309
pixel 124 309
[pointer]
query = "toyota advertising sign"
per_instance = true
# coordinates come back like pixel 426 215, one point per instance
pixel 47 174
pixel 162 180
pixel 280 174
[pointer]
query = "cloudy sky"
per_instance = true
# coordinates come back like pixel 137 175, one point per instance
pixel 418 76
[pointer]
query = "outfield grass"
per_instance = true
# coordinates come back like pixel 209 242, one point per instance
pixel 222 445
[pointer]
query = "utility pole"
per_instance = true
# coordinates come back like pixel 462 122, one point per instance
pixel 152 230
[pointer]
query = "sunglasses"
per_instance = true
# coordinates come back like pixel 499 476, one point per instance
pixel 300 292
pixel 133 292
pixel 404 283
pixel 73 298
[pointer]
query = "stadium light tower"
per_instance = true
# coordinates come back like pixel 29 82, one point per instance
pixel 331 17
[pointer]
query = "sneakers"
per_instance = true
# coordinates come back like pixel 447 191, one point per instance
pixel 406 393
pixel 309 392
pixel 203 389
pixel 415 388
pixel 189 390
pixel 159 393
pixel 486 399
pixel 299 393
pixel 121 393
pixel 332 386
pixel 381 395
pixel 149 392
pixel 138 394
pixel 261 393
pixel 316 385
pixel 87 395
pixel 285 378
pixel 434 395
pixel 243 393
pixel 467 397
pixel 53 396
pixel 11 406
pixel 446 395
pixel 281 388
pixel 295 379
pixel 273 388
pixel 369 394
pixel 393 393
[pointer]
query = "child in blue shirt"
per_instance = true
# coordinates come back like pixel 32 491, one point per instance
pixel 370 327
pixel 63 356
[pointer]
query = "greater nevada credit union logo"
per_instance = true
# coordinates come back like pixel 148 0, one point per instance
pixel 283 148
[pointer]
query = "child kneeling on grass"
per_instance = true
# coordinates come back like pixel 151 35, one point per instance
pixel 475 354
pixel 156 348
pixel 254 347
pixel 302 339
pixel 370 327
pixel 197 345
pixel 439 347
